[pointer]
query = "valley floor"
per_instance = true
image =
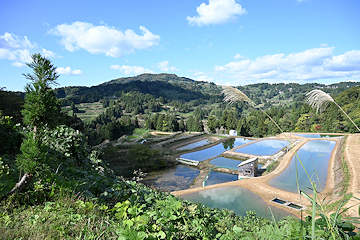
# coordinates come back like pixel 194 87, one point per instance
pixel 260 186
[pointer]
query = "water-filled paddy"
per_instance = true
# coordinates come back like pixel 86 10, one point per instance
pixel 196 144
pixel 266 147
pixel 216 150
pixel 315 155
pixel 316 135
pixel 176 178
pixel 219 177
pixel 235 198
pixel 227 162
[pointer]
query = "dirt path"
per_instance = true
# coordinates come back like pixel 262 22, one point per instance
pixel 260 186
pixel 352 157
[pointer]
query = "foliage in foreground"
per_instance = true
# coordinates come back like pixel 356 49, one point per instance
pixel 78 197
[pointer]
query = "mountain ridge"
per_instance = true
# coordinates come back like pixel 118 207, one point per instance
pixel 150 77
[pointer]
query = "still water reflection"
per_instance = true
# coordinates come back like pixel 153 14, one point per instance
pixel 237 199
pixel 227 162
pixel 216 150
pixel 316 135
pixel 196 144
pixel 315 156
pixel 176 178
pixel 264 147
pixel 219 177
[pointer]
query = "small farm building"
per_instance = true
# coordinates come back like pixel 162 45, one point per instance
pixel 248 168
pixel 233 132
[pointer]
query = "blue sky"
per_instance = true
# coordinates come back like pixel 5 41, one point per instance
pixel 228 42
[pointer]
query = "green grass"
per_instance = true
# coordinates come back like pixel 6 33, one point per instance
pixel 271 167
pixel 88 111
pixel 141 131
pixel 345 170
pixel 133 137
pixel 68 217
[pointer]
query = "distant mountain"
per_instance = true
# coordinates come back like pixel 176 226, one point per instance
pixel 183 82
pixel 148 77
pixel 173 87
pixel 164 85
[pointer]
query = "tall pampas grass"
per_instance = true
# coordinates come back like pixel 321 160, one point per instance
pixel 320 100
pixel 233 95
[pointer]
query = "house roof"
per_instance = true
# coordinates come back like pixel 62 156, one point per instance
pixel 248 161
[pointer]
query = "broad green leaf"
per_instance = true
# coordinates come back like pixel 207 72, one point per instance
pixel 161 235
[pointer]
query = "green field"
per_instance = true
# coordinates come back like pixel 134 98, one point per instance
pixel 87 111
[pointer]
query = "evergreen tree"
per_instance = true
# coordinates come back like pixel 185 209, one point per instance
pixel 242 128
pixel 212 124
pixel 190 123
pixel 73 108
pixel 182 125
pixel 224 119
pixel 136 123
pixel 199 113
pixel 41 106
pixel 231 121
pixel 41 109
pixel 160 122
pixel 148 123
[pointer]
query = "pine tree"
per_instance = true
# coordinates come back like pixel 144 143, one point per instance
pixel 212 123
pixel 41 107
pixel 182 125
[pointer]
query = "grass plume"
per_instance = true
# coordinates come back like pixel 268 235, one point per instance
pixel 232 95
pixel 319 100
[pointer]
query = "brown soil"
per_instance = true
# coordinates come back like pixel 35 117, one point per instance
pixel 260 186
pixel 352 157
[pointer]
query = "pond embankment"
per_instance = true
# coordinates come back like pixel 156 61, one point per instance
pixel 260 185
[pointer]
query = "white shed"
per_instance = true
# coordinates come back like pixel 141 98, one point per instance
pixel 233 132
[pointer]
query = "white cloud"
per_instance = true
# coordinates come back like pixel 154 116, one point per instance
pixel 311 64
pixel 22 55
pixel 238 56
pixel 18 64
pixel 14 48
pixel 11 41
pixel 349 61
pixel 49 54
pixel 205 78
pixel 19 49
pixel 216 12
pixel 68 71
pixel 103 39
pixel 164 66
pixel 196 72
pixel 131 70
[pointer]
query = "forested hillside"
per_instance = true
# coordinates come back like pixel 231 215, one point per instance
pixel 181 89
pixel 166 102
pixel 184 90
pixel 54 185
